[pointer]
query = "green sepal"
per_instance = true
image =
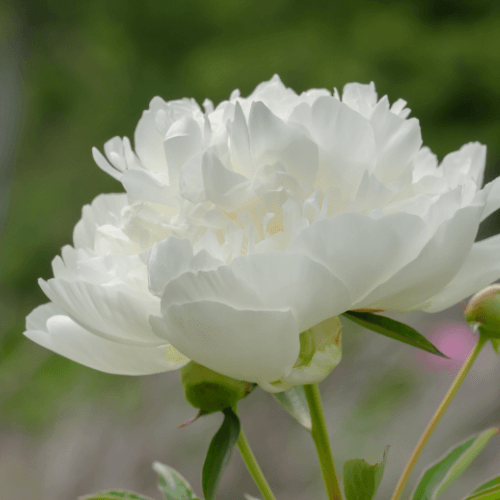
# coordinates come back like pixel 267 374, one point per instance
pixel 393 329
pixel 440 475
pixel 115 495
pixel 211 391
pixel 294 401
pixel 219 453
pixel 172 484
pixel 361 480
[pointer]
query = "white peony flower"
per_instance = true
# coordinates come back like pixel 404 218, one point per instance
pixel 272 214
pixel 99 314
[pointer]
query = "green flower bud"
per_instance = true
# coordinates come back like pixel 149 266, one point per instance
pixel 210 391
pixel 483 312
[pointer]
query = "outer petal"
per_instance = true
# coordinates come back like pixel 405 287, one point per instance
pixel 361 251
pixel 247 345
pixel 48 326
pixel 435 266
pixel 106 311
pixel 492 197
pixel 294 280
pixel 481 268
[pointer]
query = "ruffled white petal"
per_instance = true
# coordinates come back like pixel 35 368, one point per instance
pixel 50 327
pixel 110 312
pixel 173 257
pixel 149 139
pixel 480 269
pixel 436 265
pixel 361 251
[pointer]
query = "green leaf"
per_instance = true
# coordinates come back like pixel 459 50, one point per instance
pixel 219 453
pixel 492 493
pixel 496 345
pixel 361 480
pixel 439 476
pixel 115 495
pixel 172 484
pixel 487 491
pixel 294 401
pixel 393 329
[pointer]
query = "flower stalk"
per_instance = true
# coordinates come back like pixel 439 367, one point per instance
pixel 320 436
pixel 437 416
pixel 253 466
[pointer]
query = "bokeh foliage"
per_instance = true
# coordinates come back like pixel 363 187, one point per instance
pixel 91 67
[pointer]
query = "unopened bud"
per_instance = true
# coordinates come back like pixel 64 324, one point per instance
pixel 483 311
pixel 210 391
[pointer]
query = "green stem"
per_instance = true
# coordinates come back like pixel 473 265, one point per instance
pixel 320 436
pixel 253 466
pixel 437 416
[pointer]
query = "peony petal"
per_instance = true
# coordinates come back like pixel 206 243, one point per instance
pixel 183 140
pixel 468 162
pixel 436 265
pixel 191 180
pixel 398 141
pixel 219 285
pixel 148 138
pixel 239 143
pixel 172 257
pixel 246 345
pixel 481 268
pixel 361 251
pixel 346 141
pixel 293 280
pixel 103 164
pixel 48 326
pixel 142 185
pixel 360 97
pixel 106 311
pixel 491 194
pixel 104 209
pixel 273 141
pixel 226 189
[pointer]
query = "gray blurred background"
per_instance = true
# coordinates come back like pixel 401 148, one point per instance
pixel 73 75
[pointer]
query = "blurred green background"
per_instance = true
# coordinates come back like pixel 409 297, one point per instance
pixel 76 74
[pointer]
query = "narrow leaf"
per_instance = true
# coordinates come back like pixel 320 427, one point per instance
pixel 250 497
pixel 219 453
pixel 393 329
pixel 439 476
pixel 361 480
pixel 487 490
pixel 115 495
pixel 294 401
pixel 172 484
pixel 492 482
pixel 492 493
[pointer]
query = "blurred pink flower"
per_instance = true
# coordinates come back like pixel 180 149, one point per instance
pixel 452 338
